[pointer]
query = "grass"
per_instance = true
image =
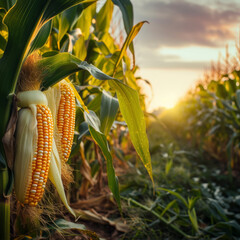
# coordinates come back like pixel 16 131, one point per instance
pixel 199 201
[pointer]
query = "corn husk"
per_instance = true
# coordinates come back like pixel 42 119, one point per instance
pixel 26 140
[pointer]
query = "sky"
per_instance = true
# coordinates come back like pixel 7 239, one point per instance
pixel 180 41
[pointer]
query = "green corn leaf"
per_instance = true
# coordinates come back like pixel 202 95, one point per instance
pixel 79 48
pixel 193 218
pixel 70 17
pixel 95 104
pixel 108 112
pixel 85 20
pixel 230 86
pixel 133 115
pixel 104 17
pixel 41 37
pixel 7 4
pixel 101 140
pixel 103 47
pixel 56 7
pixel 62 65
pixel 192 201
pixel 168 207
pixel 71 38
pixel 30 16
pixel 127 12
pixel 221 91
pixel 238 98
pixel 181 198
pixel 24 15
pixel 133 33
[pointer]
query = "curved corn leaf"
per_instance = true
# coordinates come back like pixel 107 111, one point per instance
pixel 108 112
pixel 133 33
pixel 193 218
pixel 127 13
pixel 168 207
pixel 95 104
pixel 70 17
pixel 93 124
pixel 104 17
pixel 16 20
pixel 180 197
pixel 7 4
pixel 24 15
pixel 85 20
pixel 41 37
pixel 70 41
pixel 79 48
pixel 103 48
pixel 56 7
pixel 30 16
pixel 60 66
pixel 132 113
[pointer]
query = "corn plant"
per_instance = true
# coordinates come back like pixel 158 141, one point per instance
pixel 52 28
pixel 212 116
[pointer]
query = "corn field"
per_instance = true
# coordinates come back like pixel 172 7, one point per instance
pixel 80 158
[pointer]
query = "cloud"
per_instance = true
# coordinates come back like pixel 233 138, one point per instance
pixel 152 59
pixel 183 23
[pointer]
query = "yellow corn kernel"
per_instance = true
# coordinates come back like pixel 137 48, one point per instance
pixel 66 119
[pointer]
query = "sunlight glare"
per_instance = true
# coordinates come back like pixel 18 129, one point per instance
pixel 168 85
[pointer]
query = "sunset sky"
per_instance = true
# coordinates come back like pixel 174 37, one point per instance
pixel 180 41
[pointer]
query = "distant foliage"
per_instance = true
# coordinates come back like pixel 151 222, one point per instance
pixel 208 118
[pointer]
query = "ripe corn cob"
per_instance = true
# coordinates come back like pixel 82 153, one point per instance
pixel 34 145
pixel 42 155
pixel 66 119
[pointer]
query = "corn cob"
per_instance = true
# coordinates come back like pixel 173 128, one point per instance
pixel 66 118
pixel 41 159
pixel 34 145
